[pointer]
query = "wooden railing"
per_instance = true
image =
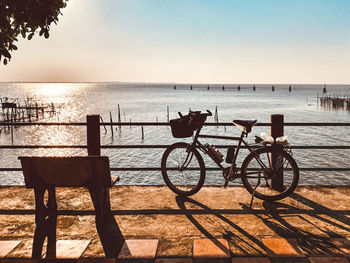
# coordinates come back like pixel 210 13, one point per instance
pixel 94 147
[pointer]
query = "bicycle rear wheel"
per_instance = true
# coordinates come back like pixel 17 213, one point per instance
pixel 262 166
pixel 183 169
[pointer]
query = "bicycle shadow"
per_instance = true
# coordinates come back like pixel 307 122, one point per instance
pixel 311 243
pixel 286 221
pixel 337 215
pixel 244 246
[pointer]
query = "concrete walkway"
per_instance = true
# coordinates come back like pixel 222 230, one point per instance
pixel 151 224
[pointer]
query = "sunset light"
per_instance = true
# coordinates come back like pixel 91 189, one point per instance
pixel 175 131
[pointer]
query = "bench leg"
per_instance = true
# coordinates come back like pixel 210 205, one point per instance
pixel 40 208
pixel 45 220
pixel 52 222
pixel 101 201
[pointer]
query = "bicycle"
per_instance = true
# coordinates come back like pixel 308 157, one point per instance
pixel 268 172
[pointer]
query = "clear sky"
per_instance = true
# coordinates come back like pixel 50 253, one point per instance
pixel 191 41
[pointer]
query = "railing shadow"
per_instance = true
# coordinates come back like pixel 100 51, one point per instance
pixel 287 221
pixel 108 230
pixel 227 234
pixel 310 243
pixel 335 214
pixel 275 216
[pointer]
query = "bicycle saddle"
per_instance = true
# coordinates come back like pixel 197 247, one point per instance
pixel 245 125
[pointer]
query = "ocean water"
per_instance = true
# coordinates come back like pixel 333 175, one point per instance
pixel 149 102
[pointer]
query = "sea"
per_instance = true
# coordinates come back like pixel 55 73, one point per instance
pixel 150 102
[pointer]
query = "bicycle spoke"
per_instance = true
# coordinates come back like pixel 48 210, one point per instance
pixel 278 163
pixel 182 170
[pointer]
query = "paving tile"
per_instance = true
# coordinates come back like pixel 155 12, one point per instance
pixel 251 260
pixel 96 260
pixel 6 246
pixel 243 246
pixel 139 248
pixel 281 247
pixel 70 249
pixel 343 244
pixel 20 260
pixel 173 260
pixel 328 260
pixel 211 248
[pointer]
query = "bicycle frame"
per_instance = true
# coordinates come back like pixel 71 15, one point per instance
pixel 196 144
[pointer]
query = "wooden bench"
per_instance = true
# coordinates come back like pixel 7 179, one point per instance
pixel 46 173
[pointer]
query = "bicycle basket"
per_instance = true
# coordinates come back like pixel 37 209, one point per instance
pixel 180 128
pixel 197 121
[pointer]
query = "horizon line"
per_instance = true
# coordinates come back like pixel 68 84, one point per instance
pixel 176 83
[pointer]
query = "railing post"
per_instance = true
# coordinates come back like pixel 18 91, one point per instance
pixel 100 197
pixel 277 127
pixel 93 134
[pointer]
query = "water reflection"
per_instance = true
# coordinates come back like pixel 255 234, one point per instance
pixel 54 92
pixel 140 104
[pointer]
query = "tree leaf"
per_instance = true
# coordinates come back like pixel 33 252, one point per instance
pixel 5 61
pixel 46 34
pixel 6 53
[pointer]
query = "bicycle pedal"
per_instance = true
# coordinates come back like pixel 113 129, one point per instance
pixel 226 183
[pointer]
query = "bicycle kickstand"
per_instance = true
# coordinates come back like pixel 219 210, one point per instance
pixel 251 200
pixel 253 194
pixel 226 183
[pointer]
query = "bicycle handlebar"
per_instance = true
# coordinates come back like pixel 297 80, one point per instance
pixel 204 114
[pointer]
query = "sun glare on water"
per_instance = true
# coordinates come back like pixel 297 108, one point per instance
pixel 54 92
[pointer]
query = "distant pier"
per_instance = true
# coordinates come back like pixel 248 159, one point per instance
pixel 335 101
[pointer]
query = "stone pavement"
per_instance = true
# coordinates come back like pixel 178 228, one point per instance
pixel 151 224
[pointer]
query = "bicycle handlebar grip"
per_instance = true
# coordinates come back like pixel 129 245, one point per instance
pixel 180 114
pixel 209 112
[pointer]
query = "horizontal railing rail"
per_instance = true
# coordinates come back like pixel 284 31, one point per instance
pixel 153 146
pixel 346 124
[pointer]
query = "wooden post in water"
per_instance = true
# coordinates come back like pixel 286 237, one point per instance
pixel 143 136
pixel 37 110
pixel 238 88
pixel 11 123
pixel 191 87
pixel 167 112
pixel 324 89
pixel 273 88
pixel 119 118
pixel 93 135
pixel 208 88
pixel 254 88
pixel 277 130
pixel 290 88
pixel 110 118
pixel 174 87
pixel 223 87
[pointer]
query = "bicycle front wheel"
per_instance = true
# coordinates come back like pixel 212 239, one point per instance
pixel 183 169
pixel 263 166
